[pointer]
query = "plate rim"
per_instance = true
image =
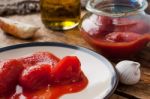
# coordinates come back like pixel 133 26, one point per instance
pixel 58 44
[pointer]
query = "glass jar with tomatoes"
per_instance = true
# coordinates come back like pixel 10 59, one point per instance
pixel 116 28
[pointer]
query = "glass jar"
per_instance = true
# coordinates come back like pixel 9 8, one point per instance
pixel 116 28
pixel 60 14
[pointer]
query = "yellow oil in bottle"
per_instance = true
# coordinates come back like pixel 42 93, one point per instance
pixel 60 14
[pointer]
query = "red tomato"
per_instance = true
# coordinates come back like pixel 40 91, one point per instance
pixel 39 57
pixel 36 77
pixel 105 25
pixel 10 71
pixel 122 37
pixel 67 70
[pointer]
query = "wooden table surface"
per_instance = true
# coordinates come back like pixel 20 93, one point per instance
pixel 140 90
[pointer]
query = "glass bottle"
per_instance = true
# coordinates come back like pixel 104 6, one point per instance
pixel 116 28
pixel 60 14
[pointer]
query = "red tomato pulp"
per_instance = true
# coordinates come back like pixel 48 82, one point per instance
pixel 40 75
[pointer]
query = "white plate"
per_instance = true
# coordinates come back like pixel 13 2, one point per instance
pixel 101 75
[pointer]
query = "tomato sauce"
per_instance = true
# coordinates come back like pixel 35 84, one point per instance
pixel 50 92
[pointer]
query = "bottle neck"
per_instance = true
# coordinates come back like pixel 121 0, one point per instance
pixel 117 8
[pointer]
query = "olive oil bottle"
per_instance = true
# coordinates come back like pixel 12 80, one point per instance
pixel 60 14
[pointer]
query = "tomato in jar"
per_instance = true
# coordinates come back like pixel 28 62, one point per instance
pixel 116 37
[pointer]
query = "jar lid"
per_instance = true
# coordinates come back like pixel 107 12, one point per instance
pixel 116 8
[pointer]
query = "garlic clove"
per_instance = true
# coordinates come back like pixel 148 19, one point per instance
pixel 129 72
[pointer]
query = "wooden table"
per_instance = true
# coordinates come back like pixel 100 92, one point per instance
pixel 140 90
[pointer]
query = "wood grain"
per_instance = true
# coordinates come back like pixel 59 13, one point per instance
pixel 140 90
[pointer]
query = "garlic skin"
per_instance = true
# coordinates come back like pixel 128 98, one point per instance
pixel 129 72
